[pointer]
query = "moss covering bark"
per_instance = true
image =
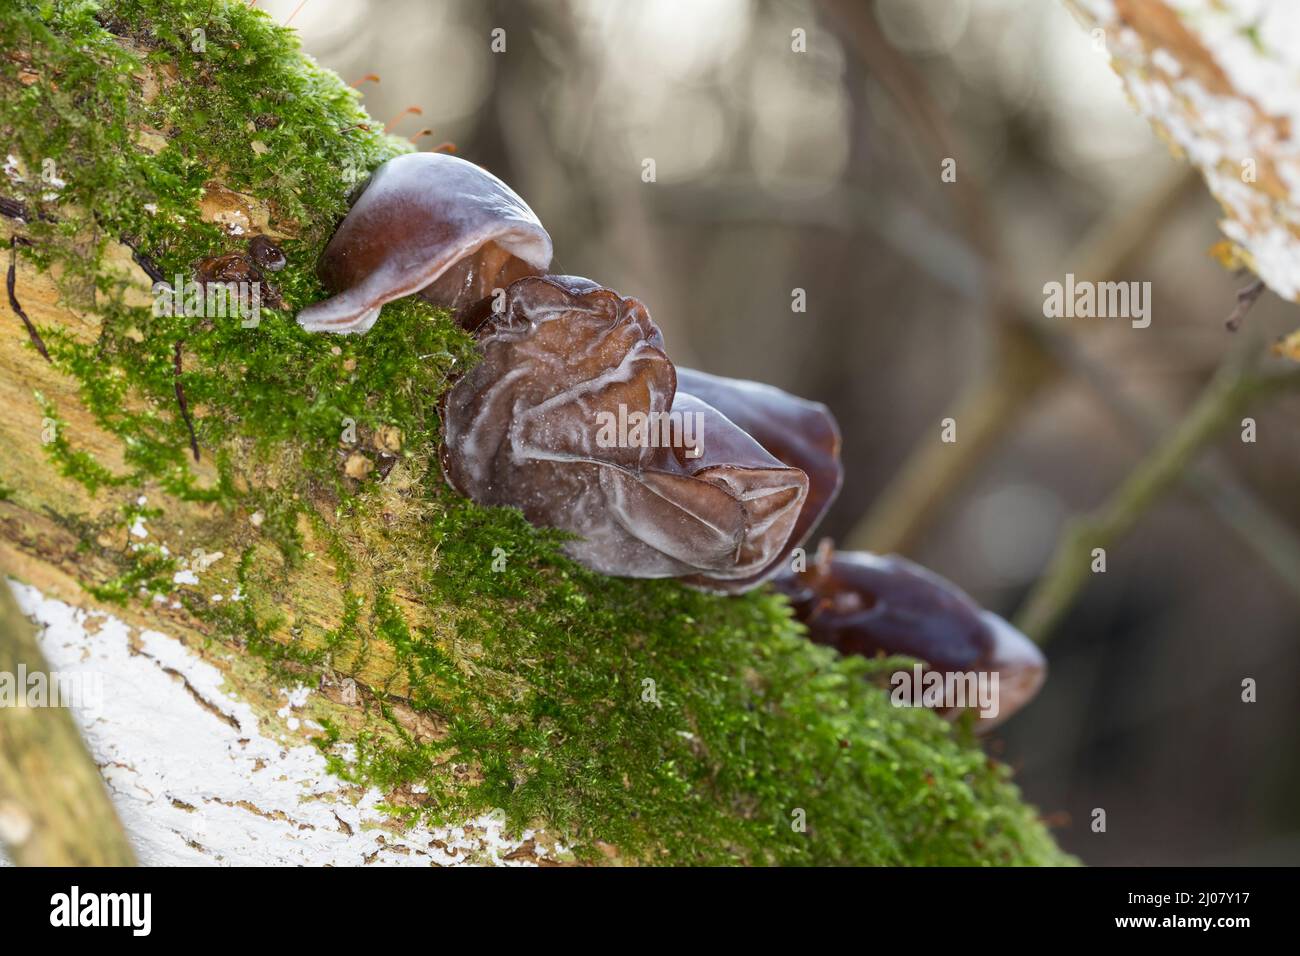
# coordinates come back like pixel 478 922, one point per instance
pixel 671 725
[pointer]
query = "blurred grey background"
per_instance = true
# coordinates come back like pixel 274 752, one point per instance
pixel 818 170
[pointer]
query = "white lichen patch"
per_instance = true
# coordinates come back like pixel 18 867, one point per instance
pixel 197 780
pixel 1220 80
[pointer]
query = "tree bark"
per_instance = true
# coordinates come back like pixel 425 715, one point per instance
pixel 54 810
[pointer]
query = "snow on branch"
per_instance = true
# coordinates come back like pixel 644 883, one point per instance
pixel 1219 80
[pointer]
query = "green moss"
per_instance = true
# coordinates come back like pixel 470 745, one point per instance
pixel 678 726
pixel 1252 33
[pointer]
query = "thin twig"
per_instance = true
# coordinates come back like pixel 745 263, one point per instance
pixel 143 261
pixel 12 208
pixel 16 209
pixel 1245 299
pixel 1022 366
pixel 1257 526
pixel 856 23
pixel 180 397
pixel 11 280
pixel 1231 391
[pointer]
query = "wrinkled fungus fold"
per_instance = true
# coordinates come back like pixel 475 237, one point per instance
pixel 532 426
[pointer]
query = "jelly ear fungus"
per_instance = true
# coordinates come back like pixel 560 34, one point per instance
pixel 865 604
pixel 795 431
pixel 520 429
pixel 426 223
pixel 559 352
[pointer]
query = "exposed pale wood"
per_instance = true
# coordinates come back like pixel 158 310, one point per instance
pixel 54 810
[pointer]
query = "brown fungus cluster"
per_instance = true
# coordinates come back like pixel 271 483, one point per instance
pixel 576 416
pixel 537 425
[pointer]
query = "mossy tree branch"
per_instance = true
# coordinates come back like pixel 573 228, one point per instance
pixel 480 684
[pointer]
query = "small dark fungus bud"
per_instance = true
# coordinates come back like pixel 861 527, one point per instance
pixel 427 223
pixel 864 604
pixel 240 267
pixel 795 431
pixel 573 416
pixel 231 267
pixel 386 461
pixel 266 254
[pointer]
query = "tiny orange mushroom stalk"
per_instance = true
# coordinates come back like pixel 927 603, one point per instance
pixel 562 357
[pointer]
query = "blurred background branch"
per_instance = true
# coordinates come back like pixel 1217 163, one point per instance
pixel 1224 400
pixel 1022 364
